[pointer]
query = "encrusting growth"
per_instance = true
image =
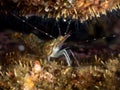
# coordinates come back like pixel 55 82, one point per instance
pixel 29 71
pixel 75 9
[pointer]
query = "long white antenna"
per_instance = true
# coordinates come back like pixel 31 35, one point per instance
pixel 68 26
pixel 33 26
pixel 102 38
pixel 57 22
pixel 86 41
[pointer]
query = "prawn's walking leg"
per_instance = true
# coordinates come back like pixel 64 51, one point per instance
pixel 74 57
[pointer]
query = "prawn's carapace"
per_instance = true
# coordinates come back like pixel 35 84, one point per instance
pixel 52 46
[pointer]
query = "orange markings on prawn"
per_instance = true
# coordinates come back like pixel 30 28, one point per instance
pixel 57 43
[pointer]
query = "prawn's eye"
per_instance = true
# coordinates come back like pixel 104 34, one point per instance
pixel 48 47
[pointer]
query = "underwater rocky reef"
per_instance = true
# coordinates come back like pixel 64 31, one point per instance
pixel 59 45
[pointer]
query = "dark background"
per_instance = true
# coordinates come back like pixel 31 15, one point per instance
pixel 100 27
